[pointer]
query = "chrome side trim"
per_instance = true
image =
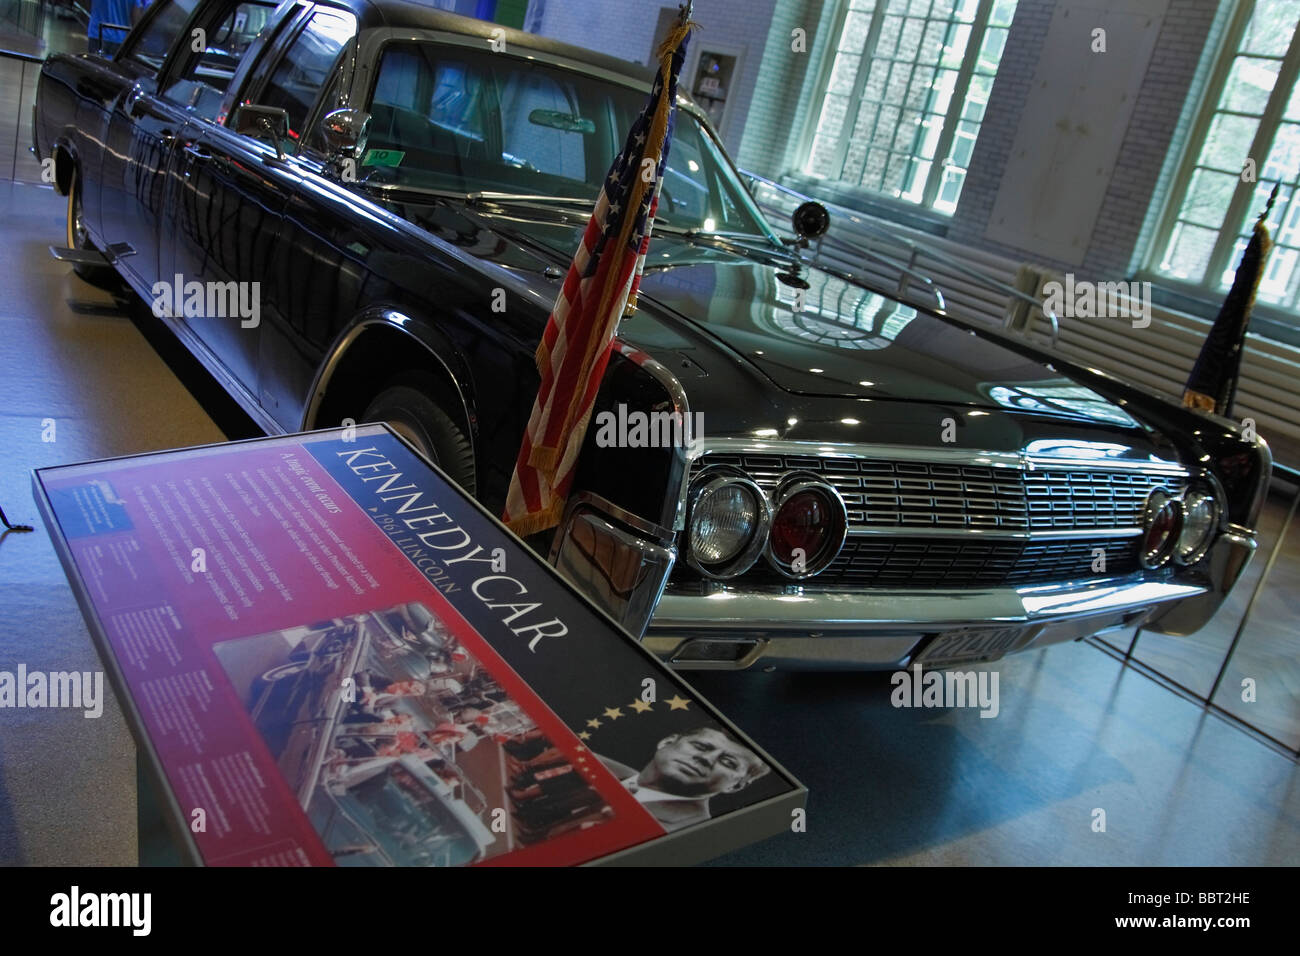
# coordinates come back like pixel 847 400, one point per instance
pixel 619 561
pixel 673 514
pixel 633 521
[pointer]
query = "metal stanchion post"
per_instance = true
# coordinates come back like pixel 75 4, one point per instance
pixel 22 85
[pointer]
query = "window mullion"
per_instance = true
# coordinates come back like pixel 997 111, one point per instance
pixel 859 83
pixel 1289 297
pixel 1260 147
pixel 957 103
pixel 1200 131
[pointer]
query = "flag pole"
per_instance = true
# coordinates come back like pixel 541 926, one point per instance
pixel 599 289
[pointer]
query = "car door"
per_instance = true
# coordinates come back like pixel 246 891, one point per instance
pixel 222 207
pixel 301 298
pixel 139 137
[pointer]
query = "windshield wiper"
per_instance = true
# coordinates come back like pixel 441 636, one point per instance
pixel 721 240
pixel 485 201
pixel 399 189
pixel 479 199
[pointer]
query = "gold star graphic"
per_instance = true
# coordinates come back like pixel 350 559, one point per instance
pixel 676 703
pixel 593 723
pixel 613 713
pixel 585 735
pixel 641 706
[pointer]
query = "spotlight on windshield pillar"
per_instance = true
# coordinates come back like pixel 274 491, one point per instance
pixel 810 221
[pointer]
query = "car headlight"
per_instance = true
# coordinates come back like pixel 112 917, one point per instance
pixel 809 524
pixel 1162 523
pixel 1200 520
pixel 727 524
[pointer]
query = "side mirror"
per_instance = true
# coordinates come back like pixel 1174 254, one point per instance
pixel 810 221
pixel 265 123
pixel 345 132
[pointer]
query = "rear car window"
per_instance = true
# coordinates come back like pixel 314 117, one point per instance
pixel 150 46
pixel 202 83
pixel 305 69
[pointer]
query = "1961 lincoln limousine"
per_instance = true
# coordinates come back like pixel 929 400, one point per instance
pixel 396 194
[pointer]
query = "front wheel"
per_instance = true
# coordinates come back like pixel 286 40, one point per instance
pixel 102 277
pixel 413 415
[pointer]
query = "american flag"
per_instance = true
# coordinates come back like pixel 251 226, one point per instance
pixel 601 286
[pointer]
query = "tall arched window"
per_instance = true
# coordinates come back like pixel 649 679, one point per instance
pixel 1246 140
pixel 905 96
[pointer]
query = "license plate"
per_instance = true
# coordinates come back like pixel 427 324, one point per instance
pixel 968 645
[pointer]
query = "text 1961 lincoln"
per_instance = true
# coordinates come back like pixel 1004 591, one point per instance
pixel 876 484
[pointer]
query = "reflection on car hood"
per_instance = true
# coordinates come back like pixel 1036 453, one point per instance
pixel 844 340
pixel 838 340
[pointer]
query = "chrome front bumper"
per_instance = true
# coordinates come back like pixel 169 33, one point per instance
pixel 884 629
pixel 622 563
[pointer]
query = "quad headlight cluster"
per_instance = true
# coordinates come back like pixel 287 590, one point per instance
pixel 801 526
pixel 1180 528
pixel 731 522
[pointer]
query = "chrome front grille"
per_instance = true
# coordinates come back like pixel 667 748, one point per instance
pixel 905 495
pixel 954 563
pixel 1070 498
pixel 885 562
pixel 952 524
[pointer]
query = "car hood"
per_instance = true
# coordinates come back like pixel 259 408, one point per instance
pixel 836 339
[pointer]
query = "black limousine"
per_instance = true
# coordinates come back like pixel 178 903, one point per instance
pixel 355 210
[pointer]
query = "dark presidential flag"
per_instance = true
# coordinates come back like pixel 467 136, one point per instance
pixel 1213 383
pixel 600 287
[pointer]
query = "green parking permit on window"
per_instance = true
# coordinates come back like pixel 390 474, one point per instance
pixel 383 157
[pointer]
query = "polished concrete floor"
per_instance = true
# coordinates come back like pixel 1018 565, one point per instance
pixel 1077 731
pixel 67 356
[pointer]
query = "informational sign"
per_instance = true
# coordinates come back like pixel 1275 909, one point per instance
pixel 329 654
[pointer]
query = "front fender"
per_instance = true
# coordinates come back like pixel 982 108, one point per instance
pixel 432 350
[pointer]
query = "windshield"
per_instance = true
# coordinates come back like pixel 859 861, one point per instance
pixel 472 121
